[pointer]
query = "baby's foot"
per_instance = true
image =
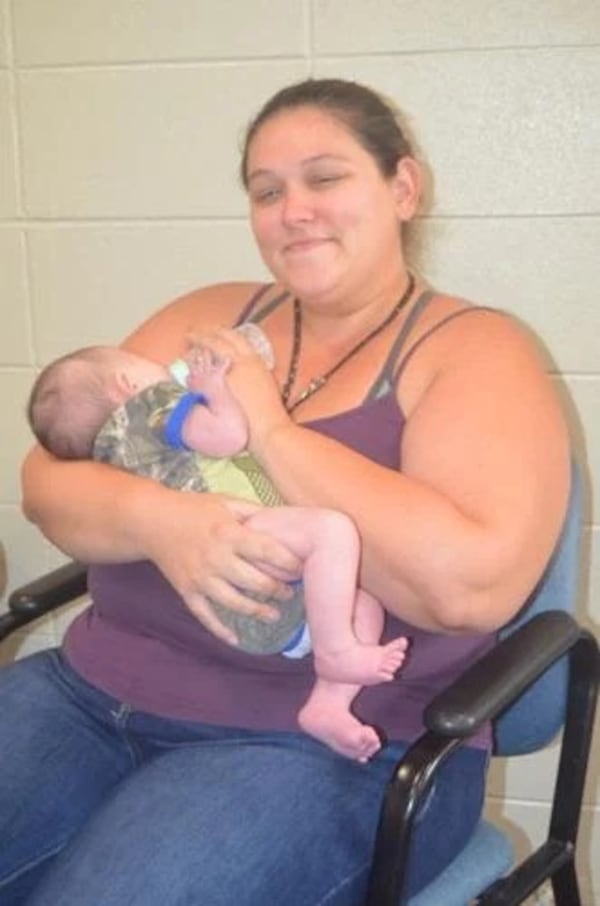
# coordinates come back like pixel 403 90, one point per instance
pixel 337 728
pixel 364 664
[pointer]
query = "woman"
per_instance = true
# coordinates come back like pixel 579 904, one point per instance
pixel 157 765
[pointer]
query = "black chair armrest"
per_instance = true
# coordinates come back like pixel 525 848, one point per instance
pixel 480 694
pixel 485 689
pixel 50 591
pixel 43 595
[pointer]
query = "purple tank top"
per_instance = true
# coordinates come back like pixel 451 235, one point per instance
pixel 138 642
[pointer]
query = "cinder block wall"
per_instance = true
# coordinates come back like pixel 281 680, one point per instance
pixel 119 132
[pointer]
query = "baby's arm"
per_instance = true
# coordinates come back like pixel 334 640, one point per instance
pixel 217 427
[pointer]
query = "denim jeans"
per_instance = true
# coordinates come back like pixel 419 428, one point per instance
pixel 101 805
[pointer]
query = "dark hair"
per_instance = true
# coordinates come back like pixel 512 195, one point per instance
pixel 69 403
pixel 372 120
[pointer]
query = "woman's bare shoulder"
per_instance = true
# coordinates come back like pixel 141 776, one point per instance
pixel 163 335
pixel 481 343
pixel 450 322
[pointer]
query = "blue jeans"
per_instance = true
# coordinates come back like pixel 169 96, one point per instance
pixel 104 806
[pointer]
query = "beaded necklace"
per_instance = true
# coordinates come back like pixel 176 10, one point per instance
pixel 318 382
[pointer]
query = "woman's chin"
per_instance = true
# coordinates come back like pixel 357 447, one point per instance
pixel 307 273
pixel 309 282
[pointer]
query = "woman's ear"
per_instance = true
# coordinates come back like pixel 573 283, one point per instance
pixel 408 187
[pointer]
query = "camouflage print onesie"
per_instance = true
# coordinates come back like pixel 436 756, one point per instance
pixel 133 439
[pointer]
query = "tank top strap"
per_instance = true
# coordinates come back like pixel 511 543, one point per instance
pixel 249 313
pixel 398 359
pixel 385 378
pixel 401 365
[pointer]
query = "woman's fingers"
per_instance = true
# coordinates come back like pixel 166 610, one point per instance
pixel 259 548
pixel 233 598
pixel 255 547
pixel 201 608
pixel 209 554
pixel 215 344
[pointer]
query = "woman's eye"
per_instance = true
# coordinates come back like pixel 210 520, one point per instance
pixel 266 196
pixel 324 179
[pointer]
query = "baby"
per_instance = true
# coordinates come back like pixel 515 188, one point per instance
pixel 182 426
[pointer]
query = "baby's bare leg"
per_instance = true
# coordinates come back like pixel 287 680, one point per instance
pixel 328 544
pixel 327 713
pixel 327 716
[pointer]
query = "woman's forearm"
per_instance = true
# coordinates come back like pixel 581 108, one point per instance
pixel 100 514
pixel 429 560
pixel 91 511
pixel 393 513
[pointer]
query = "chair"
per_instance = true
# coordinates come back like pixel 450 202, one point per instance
pixel 543 675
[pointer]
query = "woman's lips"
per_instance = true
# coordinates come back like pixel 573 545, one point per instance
pixel 304 245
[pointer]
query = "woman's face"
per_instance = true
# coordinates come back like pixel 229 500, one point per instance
pixel 326 221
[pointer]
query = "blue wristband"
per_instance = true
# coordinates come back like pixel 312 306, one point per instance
pixel 177 416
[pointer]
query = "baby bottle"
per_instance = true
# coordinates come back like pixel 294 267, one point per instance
pixel 180 369
pixel 259 340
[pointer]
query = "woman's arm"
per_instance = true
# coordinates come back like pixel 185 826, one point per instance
pixel 97 513
pixel 91 511
pixel 455 541
pixel 198 541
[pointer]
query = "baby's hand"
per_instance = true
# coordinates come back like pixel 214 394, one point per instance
pixel 251 382
pixel 207 369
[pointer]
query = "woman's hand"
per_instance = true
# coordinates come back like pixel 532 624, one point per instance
pixel 99 514
pixel 205 551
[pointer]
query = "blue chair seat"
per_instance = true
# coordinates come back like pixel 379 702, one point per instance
pixel 489 850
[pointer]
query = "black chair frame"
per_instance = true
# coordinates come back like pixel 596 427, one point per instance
pixel 479 695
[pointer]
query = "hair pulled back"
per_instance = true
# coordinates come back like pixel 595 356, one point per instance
pixel 368 117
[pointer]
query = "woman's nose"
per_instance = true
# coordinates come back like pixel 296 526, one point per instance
pixel 297 205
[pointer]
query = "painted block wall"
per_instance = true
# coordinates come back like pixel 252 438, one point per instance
pixel 120 126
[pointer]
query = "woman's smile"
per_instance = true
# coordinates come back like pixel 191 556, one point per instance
pixel 305 245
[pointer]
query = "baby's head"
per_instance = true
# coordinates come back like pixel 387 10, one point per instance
pixel 74 395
